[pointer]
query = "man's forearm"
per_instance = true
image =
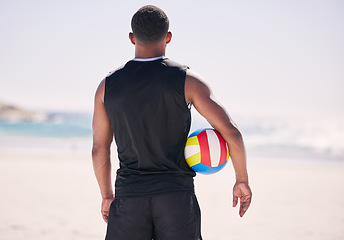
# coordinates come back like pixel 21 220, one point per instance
pixel 238 154
pixel 102 170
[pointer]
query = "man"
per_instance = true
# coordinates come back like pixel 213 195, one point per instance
pixel 146 105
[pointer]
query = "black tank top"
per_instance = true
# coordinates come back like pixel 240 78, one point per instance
pixel 145 102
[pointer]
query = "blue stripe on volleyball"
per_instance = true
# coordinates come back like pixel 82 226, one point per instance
pixel 198 131
pixel 201 168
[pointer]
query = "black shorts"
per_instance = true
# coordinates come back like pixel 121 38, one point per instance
pixel 172 216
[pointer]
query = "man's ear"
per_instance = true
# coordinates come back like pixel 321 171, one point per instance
pixel 132 38
pixel 168 37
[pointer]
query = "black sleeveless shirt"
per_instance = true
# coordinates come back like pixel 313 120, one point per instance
pixel 145 102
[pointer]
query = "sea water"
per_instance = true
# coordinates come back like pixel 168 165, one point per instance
pixel 63 131
pixel 298 136
pixel 316 138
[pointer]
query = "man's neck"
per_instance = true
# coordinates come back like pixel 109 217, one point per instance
pixel 149 51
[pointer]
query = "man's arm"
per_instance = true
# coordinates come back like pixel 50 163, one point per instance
pixel 199 94
pixel 102 139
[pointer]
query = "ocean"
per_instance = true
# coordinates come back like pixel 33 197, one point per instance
pixel 312 138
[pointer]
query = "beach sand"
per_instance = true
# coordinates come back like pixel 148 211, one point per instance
pixel 54 195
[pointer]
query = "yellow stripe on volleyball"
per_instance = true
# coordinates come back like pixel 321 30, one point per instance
pixel 227 155
pixel 192 141
pixel 192 148
pixel 194 159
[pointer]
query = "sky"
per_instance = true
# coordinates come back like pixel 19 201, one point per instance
pixel 261 57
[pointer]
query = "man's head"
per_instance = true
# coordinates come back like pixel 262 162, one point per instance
pixel 150 24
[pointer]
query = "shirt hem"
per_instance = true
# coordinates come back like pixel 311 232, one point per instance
pixel 119 195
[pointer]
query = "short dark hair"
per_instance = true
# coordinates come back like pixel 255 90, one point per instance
pixel 150 24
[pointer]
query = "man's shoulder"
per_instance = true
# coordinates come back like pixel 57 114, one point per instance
pixel 170 63
pixel 117 70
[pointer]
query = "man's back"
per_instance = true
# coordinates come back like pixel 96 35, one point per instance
pixel 146 105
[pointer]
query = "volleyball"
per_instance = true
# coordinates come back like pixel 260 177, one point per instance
pixel 206 151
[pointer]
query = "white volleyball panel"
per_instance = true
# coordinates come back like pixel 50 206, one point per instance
pixel 191 150
pixel 214 148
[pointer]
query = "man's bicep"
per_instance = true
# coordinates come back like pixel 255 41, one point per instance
pixel 201 97
pixel 213 112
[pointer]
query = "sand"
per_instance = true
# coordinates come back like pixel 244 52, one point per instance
pixel 54 195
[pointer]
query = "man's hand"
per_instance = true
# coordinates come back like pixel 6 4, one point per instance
pixel 242 191
pixel 106 208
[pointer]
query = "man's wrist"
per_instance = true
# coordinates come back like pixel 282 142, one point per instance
pixel 242 179
pixel 108 196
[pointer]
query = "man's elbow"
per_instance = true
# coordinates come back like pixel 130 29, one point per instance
pixel 233 135
pixel 94 151
pixel 236 134
pixel 99 150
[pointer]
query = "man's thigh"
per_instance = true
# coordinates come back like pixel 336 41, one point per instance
pixel 130 219
pixel 176 216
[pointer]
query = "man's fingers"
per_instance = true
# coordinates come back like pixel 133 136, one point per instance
pixel 105 215
pixel 244 205
pixel 105 208
pixel 235 201
pixel 242 212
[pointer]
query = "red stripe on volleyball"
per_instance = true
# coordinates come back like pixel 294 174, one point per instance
pixel 223 155
pixel 204 146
